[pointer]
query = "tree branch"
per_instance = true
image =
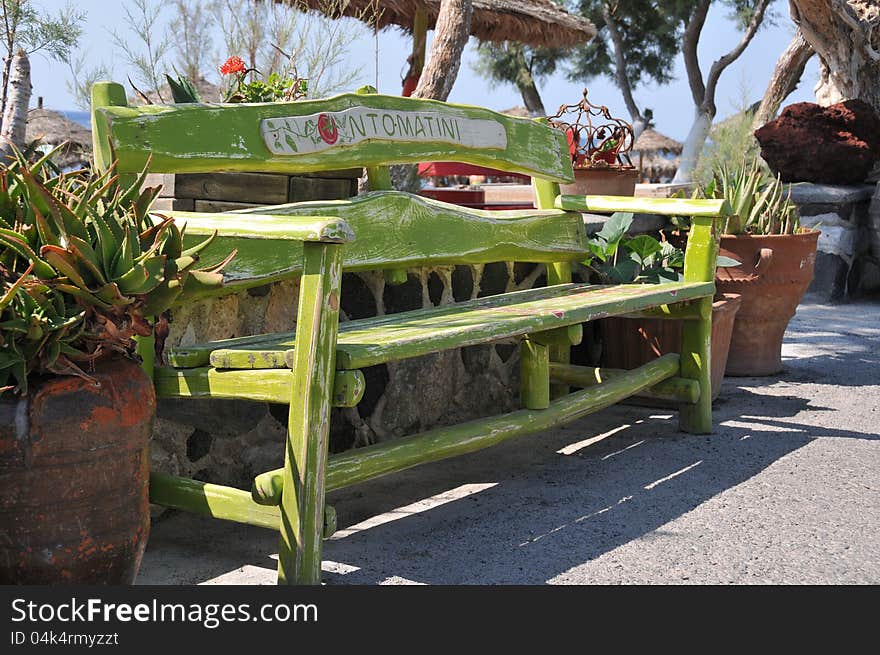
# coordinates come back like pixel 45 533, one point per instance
pixel 726 60
pixel 786 75
pixel 620 63
pixel 450 37
pixel 689 45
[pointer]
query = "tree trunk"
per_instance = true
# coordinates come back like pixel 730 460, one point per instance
pixel 451 34
pixel 639 123
pixel 525 83
pixel 786 75
pixel 846 36
pixel 14 125
pixel 532 98
pixel 693 146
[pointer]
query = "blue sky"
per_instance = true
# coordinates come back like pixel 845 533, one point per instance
pixel 672 105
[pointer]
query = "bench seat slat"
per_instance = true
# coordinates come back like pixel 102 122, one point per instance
pixel 367 342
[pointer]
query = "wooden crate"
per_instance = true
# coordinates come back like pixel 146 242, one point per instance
pixel 212 192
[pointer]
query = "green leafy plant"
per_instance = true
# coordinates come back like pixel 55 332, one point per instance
pixel 85 268
pixel 275 88
pixel 183 90
pixel 618 259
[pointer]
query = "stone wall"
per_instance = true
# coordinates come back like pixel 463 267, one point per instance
pixel 230 442
pixel 845 264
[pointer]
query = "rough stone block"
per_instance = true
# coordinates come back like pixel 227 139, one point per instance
pixel 830 277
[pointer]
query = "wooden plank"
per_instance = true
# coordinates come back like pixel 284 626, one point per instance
pixel 362 464
pixel 173 204
pixel 207 206
pixel 351 174
pixel 688 311
pixel 370 341
pixel 308 427
pixel 394 230
pixel 204 138
pixel 270 385
pixel 303 189
pixel 675 389
pixel 253 188
pixel 267 227
pixel 664 206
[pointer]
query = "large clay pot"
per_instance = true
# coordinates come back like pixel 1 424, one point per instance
pixel 773 276
pixel 601 182
pixel 631 342
pixel 74 471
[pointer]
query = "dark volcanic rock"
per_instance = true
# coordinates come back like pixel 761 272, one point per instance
pixel 832 145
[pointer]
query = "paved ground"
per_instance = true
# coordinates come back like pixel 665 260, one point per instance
pixel 787 491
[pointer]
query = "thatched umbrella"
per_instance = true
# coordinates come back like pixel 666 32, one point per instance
pixel 651 147
pixel 532 22
pixel 651 141
pixel 519 111
pixel 657 167
pixel 52 129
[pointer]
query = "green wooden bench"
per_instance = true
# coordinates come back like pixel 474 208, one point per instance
pixel 319 365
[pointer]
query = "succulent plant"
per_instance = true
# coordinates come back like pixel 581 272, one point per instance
pixel 759 203
pixel 85 267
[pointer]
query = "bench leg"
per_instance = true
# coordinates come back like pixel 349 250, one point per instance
pixel 302 499
pixel 695 365
pixel 559 273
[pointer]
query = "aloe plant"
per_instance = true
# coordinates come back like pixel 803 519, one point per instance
pixel 759 203
pixel 85 268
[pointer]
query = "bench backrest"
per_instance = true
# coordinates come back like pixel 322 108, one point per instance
pixel 344 131
pixel 393 231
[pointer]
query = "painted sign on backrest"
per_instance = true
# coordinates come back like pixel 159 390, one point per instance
pixel 300 135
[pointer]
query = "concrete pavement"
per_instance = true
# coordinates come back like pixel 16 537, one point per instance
pixel 786 491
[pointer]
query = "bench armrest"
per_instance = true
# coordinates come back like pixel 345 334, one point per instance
pixel 319 229
pixel 663 206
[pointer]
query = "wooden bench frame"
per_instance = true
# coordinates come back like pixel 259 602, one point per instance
pixel 318 367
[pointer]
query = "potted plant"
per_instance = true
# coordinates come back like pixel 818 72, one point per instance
pixel 599 145
pixel 628 343
pixel 83 268
pixel 777 256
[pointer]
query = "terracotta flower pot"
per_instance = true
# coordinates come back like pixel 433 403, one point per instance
pixel 602 182
pixel 74 472
pixel 773 276
pixel 630 342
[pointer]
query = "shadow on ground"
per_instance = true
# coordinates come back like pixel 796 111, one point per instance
pixel 530 510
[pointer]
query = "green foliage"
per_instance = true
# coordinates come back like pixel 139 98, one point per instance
pixel 34 31
pixel 729 142
pixel 618 259
pixel 651 33
pixel 275 88
pixel 145 54
pixel 515 63
pixel 758 200
pixel 182 90
pixel 84 268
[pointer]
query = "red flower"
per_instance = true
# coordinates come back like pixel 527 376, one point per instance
pixel 233 65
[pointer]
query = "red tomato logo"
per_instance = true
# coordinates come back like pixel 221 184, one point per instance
pixel 327 129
